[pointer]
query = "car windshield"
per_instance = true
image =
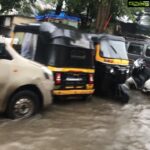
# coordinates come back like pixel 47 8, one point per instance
pixel 113 49
pixel 63 56
pixel 144 20
pixel 135 48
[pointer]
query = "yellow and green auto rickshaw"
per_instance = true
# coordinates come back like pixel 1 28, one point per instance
pixel 111 65
pixel 67 53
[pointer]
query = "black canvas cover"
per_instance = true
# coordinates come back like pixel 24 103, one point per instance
pixel 30 28
pixel 70 37
pixel 99 37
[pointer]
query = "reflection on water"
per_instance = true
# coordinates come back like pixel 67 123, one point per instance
pixel 76 125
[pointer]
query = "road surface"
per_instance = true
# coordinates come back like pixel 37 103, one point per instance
pixel 98 124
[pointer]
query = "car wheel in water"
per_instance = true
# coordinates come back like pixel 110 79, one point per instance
pixel 23 104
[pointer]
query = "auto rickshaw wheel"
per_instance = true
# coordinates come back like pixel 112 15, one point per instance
pixel 122 94
pixel 86 97
pixel 125 98
pixel 23 104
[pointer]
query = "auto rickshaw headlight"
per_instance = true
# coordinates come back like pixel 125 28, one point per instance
pixel 112 70
pixel 127 71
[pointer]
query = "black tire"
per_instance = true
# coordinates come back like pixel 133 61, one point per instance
pixel 86 97
pixel 122 94
pixel 23 104
pixel 125 98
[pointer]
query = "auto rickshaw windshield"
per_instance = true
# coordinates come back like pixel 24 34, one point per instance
pixel 113 49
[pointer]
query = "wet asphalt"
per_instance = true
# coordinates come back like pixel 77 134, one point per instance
pixel 96 124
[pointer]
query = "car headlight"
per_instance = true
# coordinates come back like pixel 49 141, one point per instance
pixel 47 73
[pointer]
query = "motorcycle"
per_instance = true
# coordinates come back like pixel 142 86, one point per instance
pixel 140 76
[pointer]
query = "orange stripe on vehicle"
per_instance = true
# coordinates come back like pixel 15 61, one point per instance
pixel 72 92
pixel 109 60
pixel 71 69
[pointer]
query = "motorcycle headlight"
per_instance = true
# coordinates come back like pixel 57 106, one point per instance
pixel 47 73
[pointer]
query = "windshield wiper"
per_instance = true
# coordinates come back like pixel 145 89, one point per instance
pixel 114 50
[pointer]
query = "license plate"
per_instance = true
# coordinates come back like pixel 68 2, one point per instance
pixel 79 87
pixel 69 87
pixel 73 79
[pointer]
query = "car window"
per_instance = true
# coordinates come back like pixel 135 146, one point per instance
pixel 25 44
pixel 135 48
pixel 147 53
pixel 2 47
pixel 3 53
pixel 28 46
pixel 18 40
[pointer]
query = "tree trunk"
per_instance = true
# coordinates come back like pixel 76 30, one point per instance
pixel 98 17
pixel 102 15
pixel 59 7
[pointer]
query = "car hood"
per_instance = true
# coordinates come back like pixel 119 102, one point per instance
pixel 34 63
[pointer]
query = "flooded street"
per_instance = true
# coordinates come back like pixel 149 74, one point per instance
pixel 97 124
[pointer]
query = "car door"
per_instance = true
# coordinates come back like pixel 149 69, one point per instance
pixel 147 55
pixel 5 66
pixel 135 51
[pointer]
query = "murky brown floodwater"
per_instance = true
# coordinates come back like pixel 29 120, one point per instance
pixel 75 125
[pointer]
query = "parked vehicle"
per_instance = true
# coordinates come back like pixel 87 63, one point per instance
pixel 140 76
pixel 138 47
pixel 111 66
pixel 66 52
pixel 25 86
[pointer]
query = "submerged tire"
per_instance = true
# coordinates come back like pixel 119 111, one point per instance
pixel 122 94
pixel 86 97
pixel 125 98
pixel 23 104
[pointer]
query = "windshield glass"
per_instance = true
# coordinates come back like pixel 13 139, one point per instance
pixel 62 56
pixel 113 49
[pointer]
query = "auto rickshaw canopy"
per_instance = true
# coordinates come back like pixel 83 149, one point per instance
pixel 51 31
pixel 57 44
pixel 97 38
pixel 110 47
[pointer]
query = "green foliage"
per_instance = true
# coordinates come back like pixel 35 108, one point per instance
pixel 51 1
pixel 120 8
pixel 86 7
pixel 9 4
pixel 100 10
pixel 81 6
pixel 22 6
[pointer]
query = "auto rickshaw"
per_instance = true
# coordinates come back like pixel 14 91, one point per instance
pixel 67 53
pixel 111 65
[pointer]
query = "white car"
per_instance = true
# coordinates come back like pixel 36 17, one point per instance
pixel 25 86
